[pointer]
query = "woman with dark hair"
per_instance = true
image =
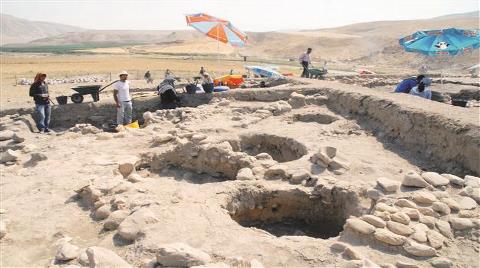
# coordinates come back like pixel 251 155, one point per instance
pixel 422 89
pixel 39 92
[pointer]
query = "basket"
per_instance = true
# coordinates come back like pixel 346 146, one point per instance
pixel 62 100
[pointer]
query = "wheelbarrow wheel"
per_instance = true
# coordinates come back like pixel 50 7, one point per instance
pixel 77 98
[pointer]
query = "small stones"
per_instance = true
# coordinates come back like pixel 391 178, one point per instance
pixel 102 257
pixel 420 234
pixel 435 179
pixel 325 155
pixel 467 203
pixel 374 220
pixel 419 250
pixel 468 214
pixel 67 252
pixel 126 168
pixel 385 207
pixel 424 197
pixel 414 214
pixel 413 179
pixel 400 217
pixel 441 262
pixel 461 223
pixel 115 218
pixel 454 180
pixel 382 214
pixel 399 228
pixel 385 236
pixel 441 208
pixel 428 220
pixel 181 255
pixel 405 203
pixel 359 226
pixel 444 228
pixel 245 174
pixel 451 203
pixel 428 211
pixel 435 239
pixel 388 185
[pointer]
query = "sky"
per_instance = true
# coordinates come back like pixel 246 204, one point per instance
pixel 248 15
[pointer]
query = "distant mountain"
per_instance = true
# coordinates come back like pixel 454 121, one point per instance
pixel 16 30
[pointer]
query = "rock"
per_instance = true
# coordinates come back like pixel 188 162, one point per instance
pixel 414 214
pixel 338 246
pixel 451 203
pixel 385 207
pixel 441 262
pixel 441 208
pixel 420 234
pixel 3 229
pixel 67 252
pixel 126 168
pixel 454 180
pixel 352 254
pixel 441 194
pixel 198 137
pixel 134 178
pixel 419 250
pixel 102 212
pixel 115 218
pixel 99 257
pixel 471 192
pixel 461 223
pixel 374 194
pixel 466 203
pixel 9 156
pixel 296 100
pixel 135 223
pixel 413 179
pixel 428 220
pixel 404 203
pixel 245 174
pixel 399 228
pixel 388 185
pixel 263 156
pixel 181 255
pixel 17 138
pixel 428 211
pixel 472 181
pixel 404 264
pixel 385 236
pixel 338 166
pixel 468 214
pixel 424 197
pixel 6 135
pixel 374 220
pixel 325 155
pixel 298 176
pixel 444 228
pixel 83 258
pixel 382 214
pixel 400 217
pixel 162 138
pixel 359 226
pixel 435 239
pixel 435 179
pixel 278 172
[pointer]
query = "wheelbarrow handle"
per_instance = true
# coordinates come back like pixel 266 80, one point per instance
pixel 107 86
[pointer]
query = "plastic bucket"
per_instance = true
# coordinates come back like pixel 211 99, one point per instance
pixel 133 125
pixel 62 100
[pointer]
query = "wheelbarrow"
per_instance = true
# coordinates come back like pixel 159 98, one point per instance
pixel 318 73
pixel 93 90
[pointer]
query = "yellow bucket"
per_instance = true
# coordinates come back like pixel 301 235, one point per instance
pixel 133 125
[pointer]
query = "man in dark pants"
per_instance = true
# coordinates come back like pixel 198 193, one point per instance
pixel 305 61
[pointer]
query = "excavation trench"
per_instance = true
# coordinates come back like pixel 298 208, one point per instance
pixel 291 212
pixel 281 149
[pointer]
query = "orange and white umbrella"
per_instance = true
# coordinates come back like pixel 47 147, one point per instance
pixel 218 29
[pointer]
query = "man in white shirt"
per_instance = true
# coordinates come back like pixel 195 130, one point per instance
pixel 121 95
pixel 305 61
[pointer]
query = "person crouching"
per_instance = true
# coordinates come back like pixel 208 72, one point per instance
pixel 39 92
pixel 167 93
pixel 121 95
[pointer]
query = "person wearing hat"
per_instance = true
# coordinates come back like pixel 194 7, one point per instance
pixel 123 101
pixel 422 90
pixel 39 92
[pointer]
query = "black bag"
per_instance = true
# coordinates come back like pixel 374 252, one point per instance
pixel 208 88
pixel 191 88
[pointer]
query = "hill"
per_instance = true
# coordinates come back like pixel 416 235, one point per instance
pixel 16 30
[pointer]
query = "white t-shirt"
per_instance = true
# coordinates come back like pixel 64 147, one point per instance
pixel 123 90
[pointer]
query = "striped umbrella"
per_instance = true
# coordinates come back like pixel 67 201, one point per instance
pixel 218 29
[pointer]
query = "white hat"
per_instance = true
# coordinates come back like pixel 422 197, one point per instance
pixel 122 73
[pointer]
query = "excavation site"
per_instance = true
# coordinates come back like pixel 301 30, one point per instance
pixel 318 174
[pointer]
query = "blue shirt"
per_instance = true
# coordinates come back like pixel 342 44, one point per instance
pixel 406 85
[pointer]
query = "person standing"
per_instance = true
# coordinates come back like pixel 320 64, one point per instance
pixel 148 77
pixel 121 95
pixel 39 92
pixel 305 61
